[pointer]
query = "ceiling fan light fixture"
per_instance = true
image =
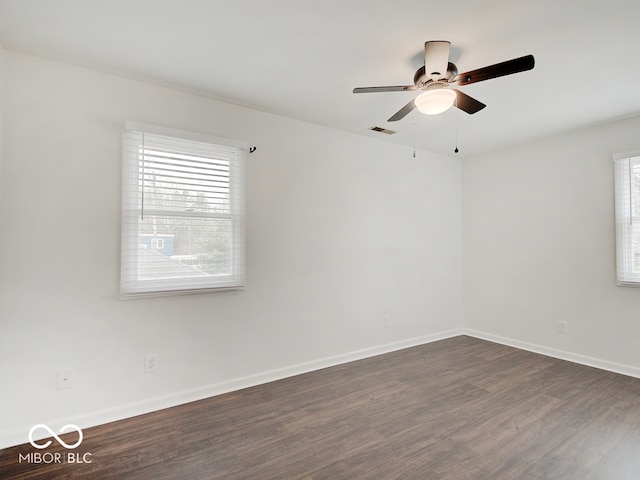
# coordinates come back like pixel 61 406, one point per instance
pixel 436 101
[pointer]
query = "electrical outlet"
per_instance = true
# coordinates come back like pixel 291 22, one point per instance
pixel 151 363
pixel 562 326
pixel 65 379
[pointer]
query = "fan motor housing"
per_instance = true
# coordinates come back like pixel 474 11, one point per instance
pixel 422 81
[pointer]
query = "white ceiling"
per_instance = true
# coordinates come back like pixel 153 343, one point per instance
pixel 302 58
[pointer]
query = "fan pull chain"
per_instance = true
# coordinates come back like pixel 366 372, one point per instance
pixel 456 149
pixel 414 139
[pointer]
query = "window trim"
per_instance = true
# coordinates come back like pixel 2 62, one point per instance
pixel 137 288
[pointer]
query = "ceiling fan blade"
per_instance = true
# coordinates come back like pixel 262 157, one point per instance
pixel 498 70
pixel 436 58
pixel 403 112
pixel 466 103
pixel 398 88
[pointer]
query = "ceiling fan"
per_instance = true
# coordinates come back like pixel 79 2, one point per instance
pixel 438 74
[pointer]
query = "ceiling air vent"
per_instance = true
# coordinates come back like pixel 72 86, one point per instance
pixel 382 130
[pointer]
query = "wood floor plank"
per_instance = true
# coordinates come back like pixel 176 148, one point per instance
pixel 457 409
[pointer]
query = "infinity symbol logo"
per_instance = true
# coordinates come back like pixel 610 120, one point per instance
pixel 68 427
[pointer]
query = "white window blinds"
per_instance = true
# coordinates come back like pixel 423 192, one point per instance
pixel 627 208
pixel 183 212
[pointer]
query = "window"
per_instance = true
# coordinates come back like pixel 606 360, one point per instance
pixel 627 201
pixel 182 212
pixel 157 243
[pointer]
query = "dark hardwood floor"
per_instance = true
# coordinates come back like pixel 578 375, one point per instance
pixel 456 409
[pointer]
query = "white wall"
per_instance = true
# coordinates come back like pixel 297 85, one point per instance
pixel 342 230
pixel 539 247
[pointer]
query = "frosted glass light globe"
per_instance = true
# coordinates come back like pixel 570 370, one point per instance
pixel 433 102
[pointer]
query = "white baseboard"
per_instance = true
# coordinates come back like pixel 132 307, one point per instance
pixel 555 353
pixel 90 419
